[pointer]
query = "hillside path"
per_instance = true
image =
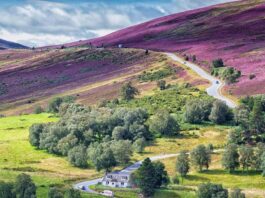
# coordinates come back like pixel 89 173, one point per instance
pixel 216 84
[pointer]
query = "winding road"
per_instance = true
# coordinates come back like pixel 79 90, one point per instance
pixel 216 84
pixel 214 90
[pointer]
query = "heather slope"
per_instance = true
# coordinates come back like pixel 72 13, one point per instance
pixel 10 45
pixel 33 77
pixel 233 31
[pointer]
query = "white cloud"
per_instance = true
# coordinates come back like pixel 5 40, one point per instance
pixel 37 23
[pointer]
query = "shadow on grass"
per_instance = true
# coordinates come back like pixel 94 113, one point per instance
pixel 196 178
pixel 237 172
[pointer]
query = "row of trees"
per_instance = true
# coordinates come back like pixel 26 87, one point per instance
pixel 244 156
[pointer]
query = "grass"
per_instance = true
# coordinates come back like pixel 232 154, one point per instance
pixel 18 156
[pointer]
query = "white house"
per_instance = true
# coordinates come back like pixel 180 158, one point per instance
pixel 117 179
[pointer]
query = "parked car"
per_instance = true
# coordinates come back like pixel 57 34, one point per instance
pixel 107 193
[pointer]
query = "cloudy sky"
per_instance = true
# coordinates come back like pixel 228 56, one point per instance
pixel 45 22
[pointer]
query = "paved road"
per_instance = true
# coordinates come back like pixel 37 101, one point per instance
pixel 216 85
pixel 86 184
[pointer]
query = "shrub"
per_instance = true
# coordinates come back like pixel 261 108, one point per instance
pixel 156 75
pixel 128 92
pixel 6 190
pixel 210 190
pixel 55 193
pixel 38 110
pixel 218 63
pixel 175 180
pixel 237 193
pixel 252 76
pixel 161 84
pixel 34 134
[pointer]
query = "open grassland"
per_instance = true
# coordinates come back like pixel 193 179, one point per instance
pixel 18 156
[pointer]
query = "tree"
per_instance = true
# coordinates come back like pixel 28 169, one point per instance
pixel 161 175
pixel 197 110
pixel 161 84
pixel 163 124
pixel 262 165
pixel 102 156
pixel 55 193
pixel 34 134
pixel 77 156
pixel 218 63
pixel 210 190
pixel 128 92
pixel 72 193
pixel 144 178
pixel 54 104
pixel 182 164
pixel 122 151
pixel 246 156
pixel 257 117
pixel 258 155
pixel 6 190
pixel 237 193
pixel 220 112
pixel 200 157
pixel 230 160
pixel 24 187
pixel 242 116
pixel 138 145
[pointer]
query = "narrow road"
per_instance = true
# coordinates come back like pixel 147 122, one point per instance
pixel 216 85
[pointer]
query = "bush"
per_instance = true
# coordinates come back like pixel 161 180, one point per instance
pixel 210 190
pixel 252 76
pixel 38 110
pixel 157 75
pixel 34 134
pixel 55 193
pixel 128 92
pixel 6 190
pixel 175 180
pixel 218 63
pixel 230 75
pixel 161 84
pixel 237 193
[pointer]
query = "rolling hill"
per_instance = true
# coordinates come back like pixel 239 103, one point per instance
pixel 10 45
pixel 232 31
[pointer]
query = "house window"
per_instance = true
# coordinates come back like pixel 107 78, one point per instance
pixel 122 183
pixel 107 182
pixel 112 183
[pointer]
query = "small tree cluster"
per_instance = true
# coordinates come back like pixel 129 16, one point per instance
pixel 80 130
pixel 218 63
pixel 128 91
pixel 200 157
pixel 244 156
pixel 23 187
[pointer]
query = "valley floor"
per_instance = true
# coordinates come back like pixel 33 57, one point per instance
pixel 17 156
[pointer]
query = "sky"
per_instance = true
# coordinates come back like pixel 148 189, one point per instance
pixel 46 22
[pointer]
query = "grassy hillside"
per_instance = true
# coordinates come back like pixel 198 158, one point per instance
pixel 30 78
pixel 232 31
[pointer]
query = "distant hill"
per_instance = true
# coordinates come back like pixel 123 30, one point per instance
pixel 10 45
pixel 233 31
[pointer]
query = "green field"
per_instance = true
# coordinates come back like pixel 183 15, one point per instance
pixel 17 156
